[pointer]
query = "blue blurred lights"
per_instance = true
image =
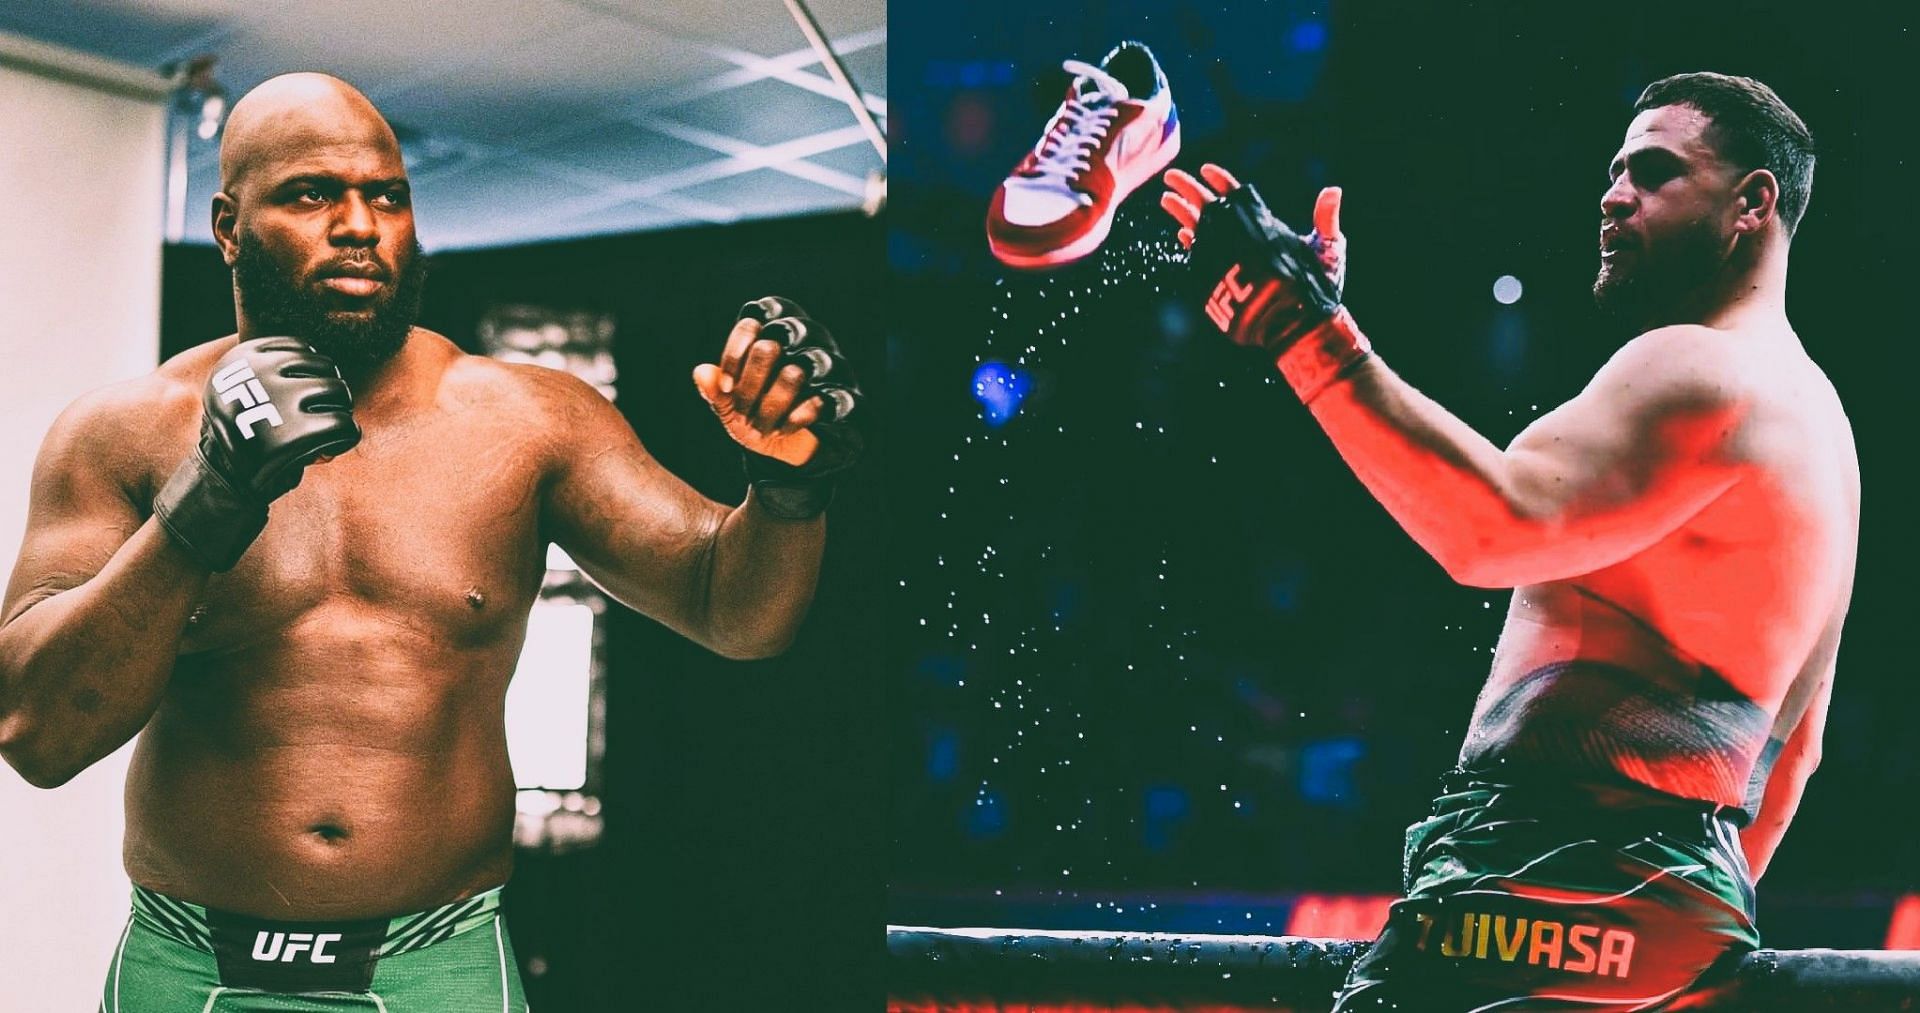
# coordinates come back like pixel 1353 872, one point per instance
pixel 1000 388
pixel 1308 37
pixel 987 816
pixel 1327 771
pixel 943 756
pixel 969 73
pixel 1166 802
pixel 1166 808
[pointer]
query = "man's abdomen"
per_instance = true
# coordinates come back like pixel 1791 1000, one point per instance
pixel 359 794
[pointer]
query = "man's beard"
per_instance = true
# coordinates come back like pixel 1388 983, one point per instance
pixel 359 342
pixel 1678 284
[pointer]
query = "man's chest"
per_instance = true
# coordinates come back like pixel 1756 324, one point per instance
pixel 434 526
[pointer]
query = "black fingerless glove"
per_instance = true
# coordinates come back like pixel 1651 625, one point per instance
pixel 802 492
pixel 1264 286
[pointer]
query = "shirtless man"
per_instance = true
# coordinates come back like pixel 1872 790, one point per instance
pixel 321 802
pixel 1680 538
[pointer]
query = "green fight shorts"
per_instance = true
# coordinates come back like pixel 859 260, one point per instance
pixel 1565 897
pixel 176 957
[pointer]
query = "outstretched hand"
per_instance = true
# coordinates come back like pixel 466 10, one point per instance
pixel 1188 196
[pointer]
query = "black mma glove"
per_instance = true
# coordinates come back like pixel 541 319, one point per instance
pixel 801 492
pixel 1266 287
pixel 272 406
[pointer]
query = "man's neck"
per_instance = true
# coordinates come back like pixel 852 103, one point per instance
pixel 388 383
pixel 379 388
pixel 1757 298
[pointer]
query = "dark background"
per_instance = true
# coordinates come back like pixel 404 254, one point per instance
pixel 1166 663
pixel 742 861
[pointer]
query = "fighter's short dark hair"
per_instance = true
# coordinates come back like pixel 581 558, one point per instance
pixel 1752 129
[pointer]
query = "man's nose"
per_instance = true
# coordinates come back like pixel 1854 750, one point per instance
pixel 1618 201
pixel 354 223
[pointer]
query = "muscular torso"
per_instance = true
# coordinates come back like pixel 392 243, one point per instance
pixel 332 743
pixel 1677 666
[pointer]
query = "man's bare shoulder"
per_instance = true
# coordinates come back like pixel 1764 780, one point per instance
pixel 559 416
pixel 1683 365
pixel 540 396
pixel 1681 345
pixel 191 368
pixel 123 431
pixel 136 411
pixel 1775 400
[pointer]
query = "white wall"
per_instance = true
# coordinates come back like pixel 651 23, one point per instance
pixel 82 170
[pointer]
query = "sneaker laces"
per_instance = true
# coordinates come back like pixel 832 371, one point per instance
pixel 1066 149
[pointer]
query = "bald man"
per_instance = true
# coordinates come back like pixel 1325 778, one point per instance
pixel 321 803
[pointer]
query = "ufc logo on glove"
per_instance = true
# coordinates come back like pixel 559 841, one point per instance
pixel 238 384
pixel 1227 298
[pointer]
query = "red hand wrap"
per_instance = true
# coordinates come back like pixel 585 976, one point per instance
pixel 1323 356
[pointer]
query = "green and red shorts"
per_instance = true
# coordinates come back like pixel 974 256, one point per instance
pixel 1570 897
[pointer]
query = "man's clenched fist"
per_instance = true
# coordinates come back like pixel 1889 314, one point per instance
pixel 785 393
pixel 271 407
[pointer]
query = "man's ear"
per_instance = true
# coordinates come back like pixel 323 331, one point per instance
pixel 226 216
pixel 1758 194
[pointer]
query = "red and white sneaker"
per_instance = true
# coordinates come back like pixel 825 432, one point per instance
pixel 1117 130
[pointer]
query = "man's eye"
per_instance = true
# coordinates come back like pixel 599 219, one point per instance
pixel 312 194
